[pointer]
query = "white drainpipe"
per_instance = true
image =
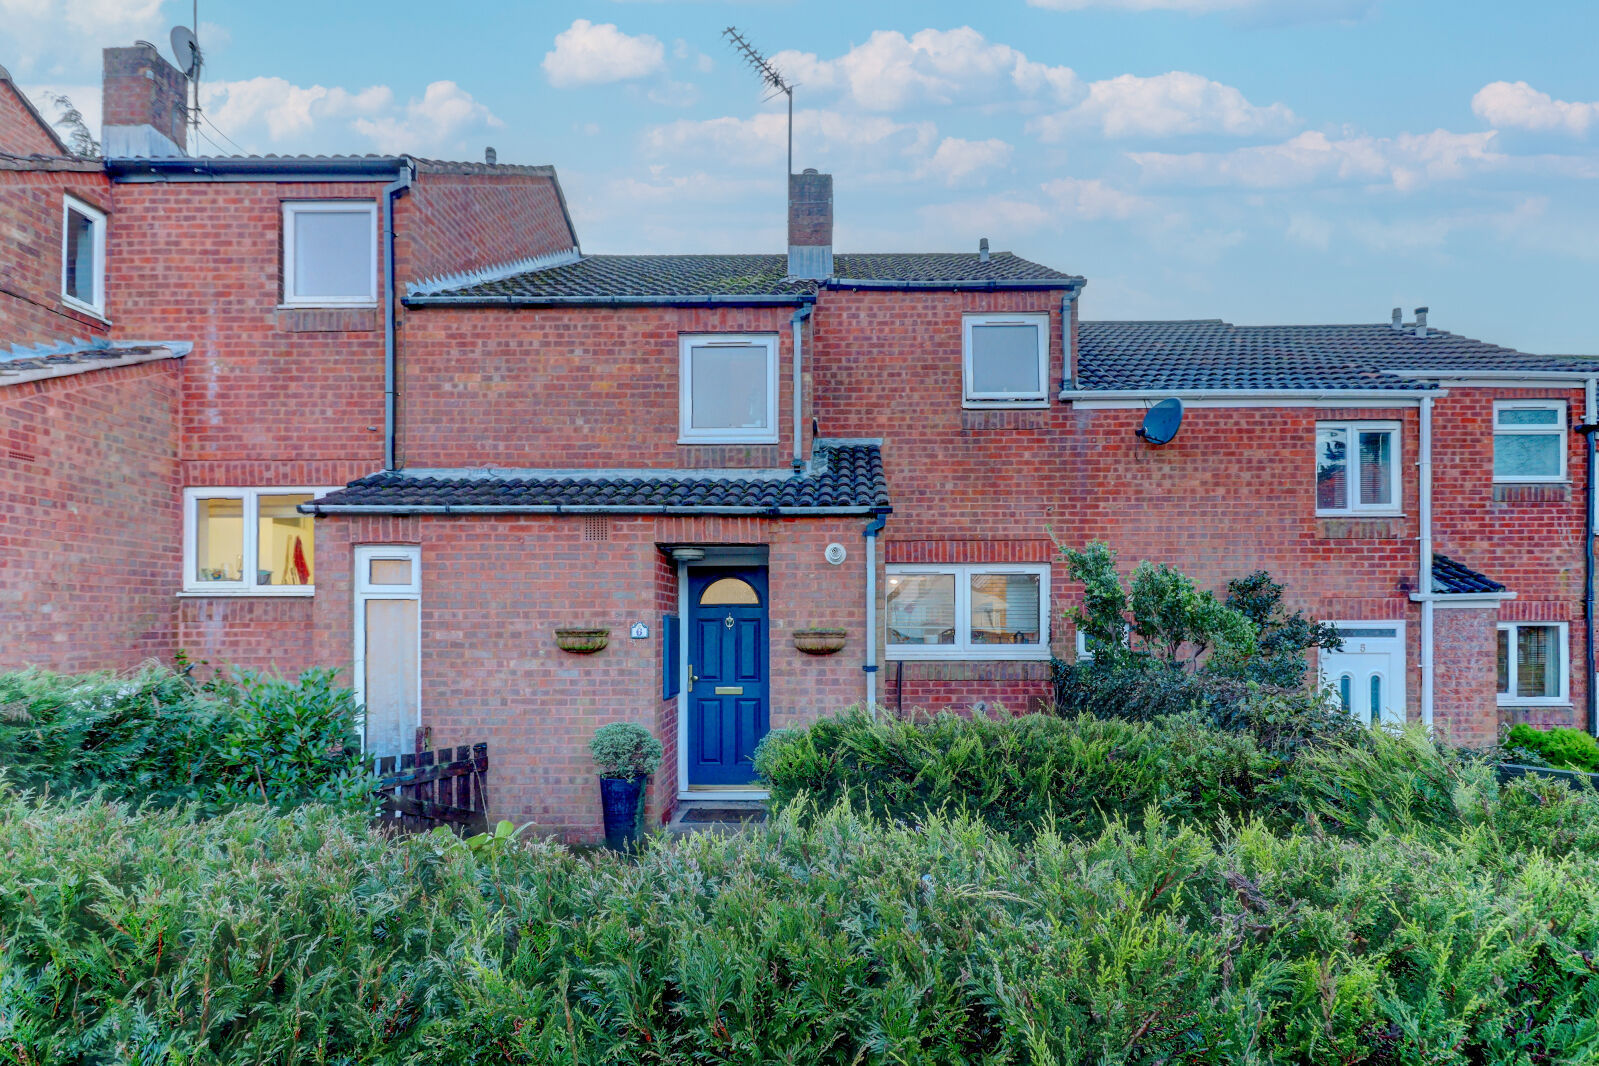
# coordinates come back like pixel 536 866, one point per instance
pixel 1424 467
pixel 870 666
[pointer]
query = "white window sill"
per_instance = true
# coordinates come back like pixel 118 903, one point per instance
pixel 912 653
pixel 1533 703
pixel 344 305
pixel 727 440
pixel 97 313
pixel 1002 405
pixel 1360 514
pixel 302 592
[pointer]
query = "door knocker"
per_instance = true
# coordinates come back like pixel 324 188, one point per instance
pixel 728 621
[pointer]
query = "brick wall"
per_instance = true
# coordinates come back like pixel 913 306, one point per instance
pixel 1464 696
pixel 31 309
pixel 20 131
pixel 454 222
pixel 88 518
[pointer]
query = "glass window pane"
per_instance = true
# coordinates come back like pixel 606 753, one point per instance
pixel 1005 609
pixel 1376 698
pixel 728 387
pixel 1540 416
pixel 1005 359
pixel 389 572
pixel 333 255
pixel 1527 454
pixel 729 590
pixel 1344 692
pixel 284 548
pixel 1376 469
pixel 80 272
pixel 921 609
pixel 1332 469
pixel 218 540
pixel 1537 661
pixel 1504 661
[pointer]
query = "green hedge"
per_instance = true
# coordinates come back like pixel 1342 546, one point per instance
pixel 259 936
pixel 1569 748
pixel 1021 775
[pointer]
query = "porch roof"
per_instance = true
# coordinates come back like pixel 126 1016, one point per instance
pixel 1452 578
pixel 842 477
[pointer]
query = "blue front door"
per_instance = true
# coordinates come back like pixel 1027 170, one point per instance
pixel 727 694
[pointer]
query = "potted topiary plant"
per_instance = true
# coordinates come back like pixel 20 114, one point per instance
pixel 625 755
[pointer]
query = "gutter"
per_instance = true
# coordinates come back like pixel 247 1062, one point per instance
pixel 1461 374
pixel 799 316
pixel 314 508
pixel 401 183
pixel 677 300
pixel 286 168
pixel 1246 394
pixel 985 285
pixel 871 532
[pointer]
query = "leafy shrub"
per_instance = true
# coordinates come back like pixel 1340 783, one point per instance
pixel 625 749
pixel 157 736
pixel 303 937
pixel 1569 748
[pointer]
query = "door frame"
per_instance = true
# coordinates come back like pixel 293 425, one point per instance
pixel 683 792
pixel 363 590
pixel 1398 640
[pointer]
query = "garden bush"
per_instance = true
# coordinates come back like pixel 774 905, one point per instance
pixel 303 937
pixel 1569 748
pixel 154 735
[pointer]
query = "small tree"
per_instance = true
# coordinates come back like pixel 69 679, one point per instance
pixel 1283 638
pixel 79 139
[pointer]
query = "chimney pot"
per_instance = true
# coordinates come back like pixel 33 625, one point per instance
pixel 1421 322
pixel 144 104
pixel 982 250
pixel 490 156
pixel 1399 318
pixel 810 225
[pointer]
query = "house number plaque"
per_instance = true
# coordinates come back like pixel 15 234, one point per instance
pixel 640 631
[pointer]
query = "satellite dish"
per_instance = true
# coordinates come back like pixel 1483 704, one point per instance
pixel 1162 422
pixel 186 50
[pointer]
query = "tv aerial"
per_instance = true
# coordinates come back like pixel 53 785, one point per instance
pixel 770 75
pixel 1162 422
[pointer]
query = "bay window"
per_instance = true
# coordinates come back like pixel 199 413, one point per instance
pixel 248 541
pixel 968 612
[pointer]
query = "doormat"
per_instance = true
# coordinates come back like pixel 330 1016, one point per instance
pixel 723 814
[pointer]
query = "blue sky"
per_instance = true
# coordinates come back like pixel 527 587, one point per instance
pixel 1254 160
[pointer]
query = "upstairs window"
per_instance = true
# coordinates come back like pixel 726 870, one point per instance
pixel 330 253
pixel 1357 468
pixel 251 541
pixel 728 389
pixel 1532 663
pixel 1005 359
pixel 1530 441
pixel 968 612
pixel 83 257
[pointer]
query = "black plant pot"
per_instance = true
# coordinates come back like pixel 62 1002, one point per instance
pixel 623 799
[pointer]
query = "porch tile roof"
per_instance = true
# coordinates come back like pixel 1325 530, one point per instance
pixel 841 476
pixel 1212 354
pixel 1454 578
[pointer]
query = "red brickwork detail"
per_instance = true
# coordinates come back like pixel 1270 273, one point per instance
pixel 810 209
pixel 31 309
pixel 271 635
pixel 1465 686
pixel 141 88
pixel 970 551
pixel 456 222
pixel 89 520
pixel 20 132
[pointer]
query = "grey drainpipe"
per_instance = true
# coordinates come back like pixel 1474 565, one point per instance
pixel 870 533
pixel 799 316
pixel 391 306
pixel 1068 345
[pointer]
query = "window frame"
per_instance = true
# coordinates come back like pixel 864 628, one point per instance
pixel 963 648
pixel 97 217
pixel 1558 430
pixel 686 433
pixel 296 207
pixel 970 397
pixel 1510 699
pixel 1354 508
pixel 249 496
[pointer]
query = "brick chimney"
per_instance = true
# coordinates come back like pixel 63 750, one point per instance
pixel 810 225
pixel 144 104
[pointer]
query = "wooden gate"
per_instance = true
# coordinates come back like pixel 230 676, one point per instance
pixel 429 788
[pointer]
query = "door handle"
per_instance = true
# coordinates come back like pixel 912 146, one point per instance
pixel 692 679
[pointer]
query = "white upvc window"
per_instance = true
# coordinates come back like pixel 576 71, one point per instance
pixel 1357 468
pixel 1533 665
pixel 1529 440
pixel 727 389
pixel 998 611
pixel 248 541
pixel 82 256
pixel 1005 360
pixel 330 253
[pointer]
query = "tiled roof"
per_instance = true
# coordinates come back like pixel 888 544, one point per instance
pixel 1451 577
pixel 841 475
pixel 1212 354
pixel 19 364
pixel 606 276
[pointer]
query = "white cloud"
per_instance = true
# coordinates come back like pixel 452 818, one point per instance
pixel 931 67
pixel 86 98
pixel 1405 161
pixel 274 114
pixel 1163 106
pixel 1286 10
pixel 588 53
pixel 958 162
pixel 1517 105
pixel 1091 198
pixel 762 139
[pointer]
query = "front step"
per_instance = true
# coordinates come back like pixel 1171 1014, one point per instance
pixel 711 815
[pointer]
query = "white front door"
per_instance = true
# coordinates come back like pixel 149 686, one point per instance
pixel 1367 676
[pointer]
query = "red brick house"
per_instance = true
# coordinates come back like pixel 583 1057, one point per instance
pixel 383 414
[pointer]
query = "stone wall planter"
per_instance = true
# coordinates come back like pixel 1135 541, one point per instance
pixel 820 640
pixel 582 641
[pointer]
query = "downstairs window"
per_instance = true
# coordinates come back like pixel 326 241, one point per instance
pixel 248 541
pixel 968 612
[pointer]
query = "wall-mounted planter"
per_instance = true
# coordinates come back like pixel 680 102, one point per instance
pixel 820 640
pixel 582 641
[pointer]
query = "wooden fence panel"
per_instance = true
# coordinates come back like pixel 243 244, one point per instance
pixel 427 788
